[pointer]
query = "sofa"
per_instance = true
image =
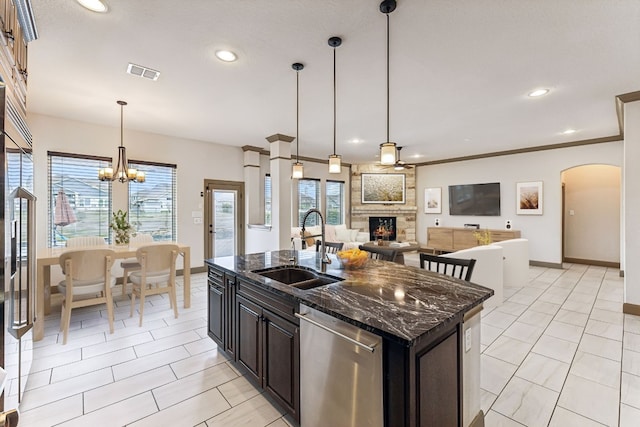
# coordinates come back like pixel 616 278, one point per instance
pixel 351 238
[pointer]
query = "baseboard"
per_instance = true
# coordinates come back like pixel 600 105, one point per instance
pixel 598 263
pixel 478 421
pixel 545 264
pixel 194 270
pixel 628 308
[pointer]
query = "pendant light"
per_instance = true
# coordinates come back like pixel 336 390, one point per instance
pixel 388 149
pixel 335 165
pixel 297 171
pixel 123 172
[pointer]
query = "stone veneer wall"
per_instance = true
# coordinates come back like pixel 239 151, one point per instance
pixel 405 213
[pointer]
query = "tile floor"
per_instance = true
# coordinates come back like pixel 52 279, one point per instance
pixel 558 352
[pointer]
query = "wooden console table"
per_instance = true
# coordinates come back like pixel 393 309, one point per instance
pixel 454 239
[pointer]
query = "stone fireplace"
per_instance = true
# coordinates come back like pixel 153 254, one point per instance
pixel 404 213
pixel 382 227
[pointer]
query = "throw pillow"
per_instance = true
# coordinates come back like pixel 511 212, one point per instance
pixel 329 233
pixel 343 235
pixel 353 235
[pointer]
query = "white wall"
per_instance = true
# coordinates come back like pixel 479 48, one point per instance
pixel 195 160
pixel 592 211
pixel 543 231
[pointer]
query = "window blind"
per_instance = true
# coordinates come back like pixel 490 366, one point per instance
pixel 334 202
pixel 267 199
pixel 153 204
pixel 88 200
pixel 308 198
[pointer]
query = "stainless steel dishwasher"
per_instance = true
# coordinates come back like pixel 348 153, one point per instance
pixel 340 373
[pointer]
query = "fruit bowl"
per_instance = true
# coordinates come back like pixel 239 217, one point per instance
pixel 352 259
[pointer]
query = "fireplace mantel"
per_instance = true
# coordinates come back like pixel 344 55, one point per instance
pixel 366 209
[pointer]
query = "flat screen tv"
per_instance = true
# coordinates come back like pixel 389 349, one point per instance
pixel 475 199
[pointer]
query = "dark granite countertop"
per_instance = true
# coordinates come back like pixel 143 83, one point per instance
pixel 399 302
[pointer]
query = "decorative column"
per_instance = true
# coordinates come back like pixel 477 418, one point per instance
pixel 280 165
pixel 631 207
pixel 254 211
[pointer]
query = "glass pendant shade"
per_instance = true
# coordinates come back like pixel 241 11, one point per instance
pixel 297 171
pixel 335 163
pixel 388 153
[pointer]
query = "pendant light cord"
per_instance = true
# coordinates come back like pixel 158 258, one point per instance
pixel 121 125
pixel 387 77
pixel 334 101
pixel 297 115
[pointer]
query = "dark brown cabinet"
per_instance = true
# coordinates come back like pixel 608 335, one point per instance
pixel 222 297
pixel 249 337
pixel 216 322
pixel 260 333
pixel 268 348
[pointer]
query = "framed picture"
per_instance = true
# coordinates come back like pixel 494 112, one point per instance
pixel 383 188
pixel 433 200
pixel 529 196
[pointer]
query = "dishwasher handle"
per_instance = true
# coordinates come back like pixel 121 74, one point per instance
pixel 351 340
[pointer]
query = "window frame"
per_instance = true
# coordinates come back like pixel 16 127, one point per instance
pixel 174 197
pixel 106 162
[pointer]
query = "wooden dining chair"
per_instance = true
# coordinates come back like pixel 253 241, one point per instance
pixel 87 281
pixel 329 247
pixel 131 264
pixel 157 267
pixel 454 267
pixel 380 252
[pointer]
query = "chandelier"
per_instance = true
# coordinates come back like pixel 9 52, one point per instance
pixel 123 172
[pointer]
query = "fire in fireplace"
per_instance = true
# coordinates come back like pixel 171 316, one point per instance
pixel 382 227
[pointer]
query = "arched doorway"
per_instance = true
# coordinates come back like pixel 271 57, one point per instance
pixel 591 215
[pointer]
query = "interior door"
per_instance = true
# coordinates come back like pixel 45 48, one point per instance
pixel 224 225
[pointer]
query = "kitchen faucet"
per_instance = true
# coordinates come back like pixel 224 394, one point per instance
pixel 325 258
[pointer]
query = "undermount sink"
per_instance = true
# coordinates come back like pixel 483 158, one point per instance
pixel 297 277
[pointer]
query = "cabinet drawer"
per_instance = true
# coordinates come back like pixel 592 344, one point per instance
pixel 499 236
pixel 216 276
pixel 277 304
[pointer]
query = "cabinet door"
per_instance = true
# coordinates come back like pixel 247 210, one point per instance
pixel 230 307
pixel 216 313
pixel 248 348
pixel 281 373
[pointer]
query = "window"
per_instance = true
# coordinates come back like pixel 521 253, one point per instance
pixel 267 199
pixel 334 203
pixel 308 197
pixel 79 203
pixel 152 203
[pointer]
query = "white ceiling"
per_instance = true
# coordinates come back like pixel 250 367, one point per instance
pixel 460 71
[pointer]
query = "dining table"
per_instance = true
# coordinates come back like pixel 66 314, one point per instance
pixel 46 257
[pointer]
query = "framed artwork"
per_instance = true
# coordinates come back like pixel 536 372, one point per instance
pixel 433 200
pixel 529 196
pixel 383 188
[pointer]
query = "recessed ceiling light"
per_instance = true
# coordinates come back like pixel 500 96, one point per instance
pixel 94 5
pixel 226 55
pixel 356 141
pixel 417 156
pixel 569 131
pixel 538 92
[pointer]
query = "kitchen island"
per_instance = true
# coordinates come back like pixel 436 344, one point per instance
pixel 418 314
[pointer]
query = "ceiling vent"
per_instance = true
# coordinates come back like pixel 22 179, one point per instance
pixel 140 71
